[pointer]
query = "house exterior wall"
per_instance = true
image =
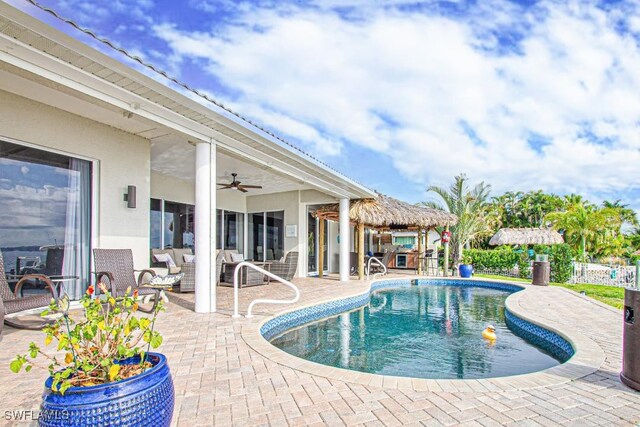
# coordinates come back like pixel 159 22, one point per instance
pixel 120 159
pixel 287 202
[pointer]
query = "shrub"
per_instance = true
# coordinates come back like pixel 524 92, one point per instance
pixel 108 332
pixel 500 259
pixel 561 259
pixel 523 265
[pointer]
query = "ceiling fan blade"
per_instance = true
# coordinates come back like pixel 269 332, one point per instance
pixel 241 188
pixel 226 187
pixel 223 183
pixel 252 186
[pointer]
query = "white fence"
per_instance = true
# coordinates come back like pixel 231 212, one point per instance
pixel 589 273
pixel 601 274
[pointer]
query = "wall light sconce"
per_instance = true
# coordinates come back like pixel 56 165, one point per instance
pixel 130 196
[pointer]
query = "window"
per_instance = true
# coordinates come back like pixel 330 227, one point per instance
pixel 266 235
pixel 230 230
pixel 171 225
pixel 404 240
pixel 45 221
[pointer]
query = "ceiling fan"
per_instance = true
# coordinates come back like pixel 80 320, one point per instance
pixel 235 184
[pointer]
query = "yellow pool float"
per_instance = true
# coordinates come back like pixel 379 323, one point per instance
pixel 489 333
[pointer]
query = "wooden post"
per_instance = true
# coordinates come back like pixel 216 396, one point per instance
pixel 445 273
pixel 420 256
pixel 360 251
pixel 355 239
pixel 321 248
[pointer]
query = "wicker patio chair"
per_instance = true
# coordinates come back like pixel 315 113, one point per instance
pixel 114 267
pixel 16 303
pixel 287 268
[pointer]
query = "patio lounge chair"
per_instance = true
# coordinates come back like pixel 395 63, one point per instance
pixel 114 267
pixel 285 269
pixel 16 303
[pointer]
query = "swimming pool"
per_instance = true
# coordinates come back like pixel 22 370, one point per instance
pixel 421 329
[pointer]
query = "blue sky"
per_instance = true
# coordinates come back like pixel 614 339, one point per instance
pixel 400 95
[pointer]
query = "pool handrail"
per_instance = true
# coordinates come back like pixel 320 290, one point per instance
pixel 384 267
pixel 260 300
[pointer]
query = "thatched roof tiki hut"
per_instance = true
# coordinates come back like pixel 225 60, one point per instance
pixel 526 236
pixel 385 213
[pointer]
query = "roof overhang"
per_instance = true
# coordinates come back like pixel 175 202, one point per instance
pixel 40 50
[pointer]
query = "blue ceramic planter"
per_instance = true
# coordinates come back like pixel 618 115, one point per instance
pixel 144 400
pixel 466 270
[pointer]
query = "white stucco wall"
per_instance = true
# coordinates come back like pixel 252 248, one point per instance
pixel 316 197
pixel 172 189
pixel 120 159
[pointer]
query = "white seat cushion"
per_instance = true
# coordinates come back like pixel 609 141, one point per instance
pixel 237 257
pixel 165 258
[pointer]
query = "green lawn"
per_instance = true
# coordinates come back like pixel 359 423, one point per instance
pixel 611 295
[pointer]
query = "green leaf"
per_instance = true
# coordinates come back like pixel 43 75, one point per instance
pixel 156 340
pixel 64 342
pixel 16 365
pixel 28 368
pixel 64 387
pixel 144 323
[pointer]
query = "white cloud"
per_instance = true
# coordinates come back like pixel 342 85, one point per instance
pixel 438 93
pixel 402 83
pixel 24 170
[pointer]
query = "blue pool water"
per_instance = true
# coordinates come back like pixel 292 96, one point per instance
pixel 432 331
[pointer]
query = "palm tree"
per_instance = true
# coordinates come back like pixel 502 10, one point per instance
pixel 585 223
pixel 627 215
pixel 469 205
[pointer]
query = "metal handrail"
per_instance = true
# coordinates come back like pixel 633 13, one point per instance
pixel 384 267
pixel 259 300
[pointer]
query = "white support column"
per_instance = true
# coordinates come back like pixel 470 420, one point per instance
pixel 213 209
pixel 202 226
pixel 344 240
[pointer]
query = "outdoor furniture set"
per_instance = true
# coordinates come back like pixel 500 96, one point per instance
pixel 114 268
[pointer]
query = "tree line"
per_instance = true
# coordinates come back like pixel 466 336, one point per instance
pixel 594 231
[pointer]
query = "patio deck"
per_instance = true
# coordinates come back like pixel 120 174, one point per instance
pixel 221 380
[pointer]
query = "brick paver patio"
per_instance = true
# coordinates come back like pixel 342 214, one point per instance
pixel 221 380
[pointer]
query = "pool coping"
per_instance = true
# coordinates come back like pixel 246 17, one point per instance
pixel 588 356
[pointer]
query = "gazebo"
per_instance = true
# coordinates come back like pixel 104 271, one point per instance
pixel 385 213
pixel 526 236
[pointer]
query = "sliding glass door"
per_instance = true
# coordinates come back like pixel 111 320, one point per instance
pixel 266 235
pixel 230 230
pixel 313 242
pixel 171 225
pixel 45 219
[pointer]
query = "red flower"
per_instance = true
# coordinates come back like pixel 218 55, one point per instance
pixel 135 293
pixel 90 290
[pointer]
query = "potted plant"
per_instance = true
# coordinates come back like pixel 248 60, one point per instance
pixel 103 372
pixel 465 268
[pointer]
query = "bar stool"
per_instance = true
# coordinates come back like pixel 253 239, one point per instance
pixel 432 262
